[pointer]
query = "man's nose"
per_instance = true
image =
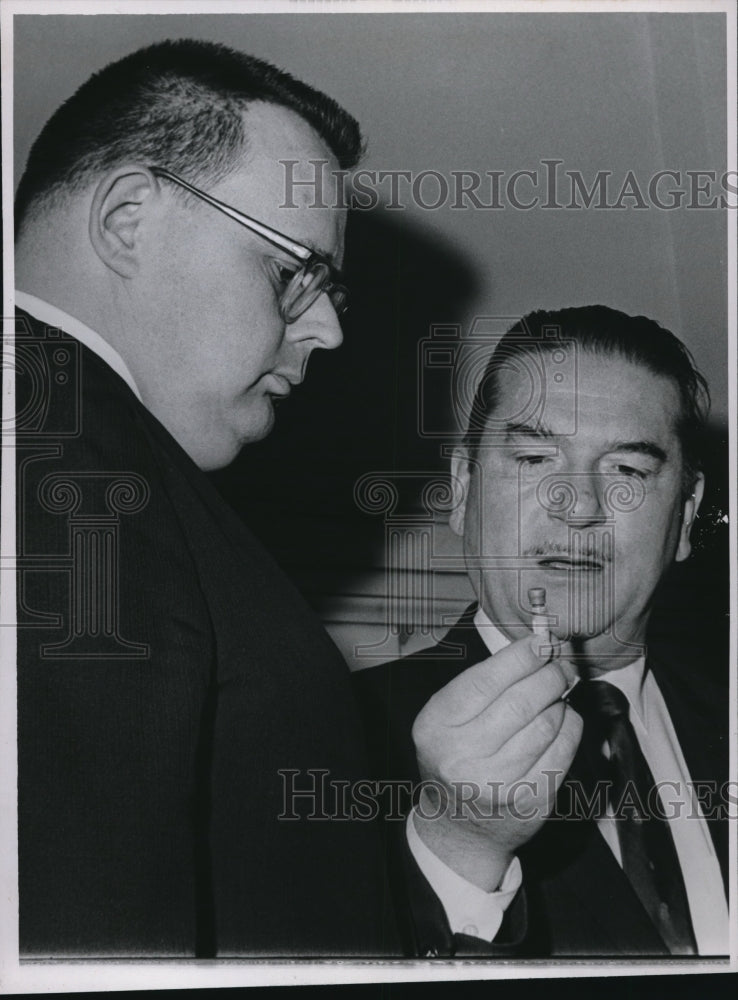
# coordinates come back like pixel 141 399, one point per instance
pixel 577 499
pixel 318 324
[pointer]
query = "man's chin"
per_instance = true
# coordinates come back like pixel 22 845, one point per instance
pixel 566 632
pixel 256 422
pixel 258 428
pixel 600 652
pixel 221 453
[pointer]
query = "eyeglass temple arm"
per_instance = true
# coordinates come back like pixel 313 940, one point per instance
pixel 296 249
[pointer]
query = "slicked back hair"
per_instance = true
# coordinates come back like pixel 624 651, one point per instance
pixel 175 104
pixel 610 333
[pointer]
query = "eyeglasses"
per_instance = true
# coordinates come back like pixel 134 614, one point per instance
pixel 315 276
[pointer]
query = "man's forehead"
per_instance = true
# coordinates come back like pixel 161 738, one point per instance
pixel 570 391
pixel 284 150
pixel 260 185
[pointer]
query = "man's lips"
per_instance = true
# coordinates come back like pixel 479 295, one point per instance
pixel 567 564
pixel 281 385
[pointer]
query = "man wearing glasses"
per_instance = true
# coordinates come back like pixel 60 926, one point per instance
pixel 167 671
pixel 171 682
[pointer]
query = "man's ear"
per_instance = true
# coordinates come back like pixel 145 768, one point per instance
pixel 116 214
pixel 460 477
pixel 689 513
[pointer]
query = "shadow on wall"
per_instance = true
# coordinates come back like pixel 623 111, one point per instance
pixel 358 409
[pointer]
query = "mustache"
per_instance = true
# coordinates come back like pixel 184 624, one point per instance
pixel 588 552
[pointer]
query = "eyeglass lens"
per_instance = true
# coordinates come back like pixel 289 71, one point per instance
pixel 305 287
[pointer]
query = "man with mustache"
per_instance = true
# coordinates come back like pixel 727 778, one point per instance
pixel 561 770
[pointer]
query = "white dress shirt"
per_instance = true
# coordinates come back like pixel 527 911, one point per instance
pixel 469 909
pixel 659 744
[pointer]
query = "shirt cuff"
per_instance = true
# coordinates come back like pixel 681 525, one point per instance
pixel 469 909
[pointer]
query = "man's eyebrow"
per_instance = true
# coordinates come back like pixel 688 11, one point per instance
pixel 649 448
pixel 528 430
pixel 639 447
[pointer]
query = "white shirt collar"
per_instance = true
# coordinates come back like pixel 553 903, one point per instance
pixel 51 316
pixel 628 679
pixel 493 639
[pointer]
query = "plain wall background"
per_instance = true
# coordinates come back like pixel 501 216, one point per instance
pixel 461 91
pixel 491 92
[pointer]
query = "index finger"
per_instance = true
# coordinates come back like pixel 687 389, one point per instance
pixel 472 691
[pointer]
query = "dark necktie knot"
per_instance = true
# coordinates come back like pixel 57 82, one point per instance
pixel 599 700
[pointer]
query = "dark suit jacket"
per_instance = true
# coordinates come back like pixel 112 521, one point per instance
pixel 167 673
pixel 578 901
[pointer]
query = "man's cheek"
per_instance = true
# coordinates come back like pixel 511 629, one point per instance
pixel 648 535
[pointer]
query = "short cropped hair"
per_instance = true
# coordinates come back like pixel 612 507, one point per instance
pixel 176 104
pixel 608 332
